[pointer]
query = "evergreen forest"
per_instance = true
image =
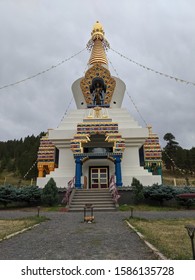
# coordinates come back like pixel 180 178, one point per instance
pixel 18 156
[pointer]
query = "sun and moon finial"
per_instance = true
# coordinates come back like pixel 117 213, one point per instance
pixel 97 31
pixel 98 34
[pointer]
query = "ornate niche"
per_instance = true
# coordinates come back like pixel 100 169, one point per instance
pixel 97 71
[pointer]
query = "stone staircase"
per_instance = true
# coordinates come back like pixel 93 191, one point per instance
pixel 100 199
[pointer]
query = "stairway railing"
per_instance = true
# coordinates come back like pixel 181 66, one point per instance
pixel 71 185
pixel 113 189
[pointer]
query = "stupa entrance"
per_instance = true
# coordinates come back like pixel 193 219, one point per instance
pixel 99 177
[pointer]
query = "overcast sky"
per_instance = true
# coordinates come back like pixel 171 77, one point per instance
pixel 36 34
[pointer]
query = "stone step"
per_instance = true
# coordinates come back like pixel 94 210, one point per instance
pixel 95 191
pixel 101 200
pixel 92 191
pixel 94 199
pixel 103 209
pixel 88 200
pixel 91 199
pixel 93 196
pixel 94 204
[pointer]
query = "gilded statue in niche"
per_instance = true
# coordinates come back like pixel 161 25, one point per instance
pixel 99 72
pixel 98 91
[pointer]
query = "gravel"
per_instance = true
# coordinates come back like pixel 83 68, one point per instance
pixel 66 237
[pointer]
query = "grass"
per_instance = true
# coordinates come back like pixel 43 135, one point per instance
pixel 145 207
pixel 10 226
pixel 26 208
pixel 168 178
pixel 169 236
pixel 9 178
pixel 56 208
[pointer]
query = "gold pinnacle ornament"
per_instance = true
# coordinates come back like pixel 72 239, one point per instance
pixel 97 45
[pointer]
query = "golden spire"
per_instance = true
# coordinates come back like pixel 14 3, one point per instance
pixel 98 44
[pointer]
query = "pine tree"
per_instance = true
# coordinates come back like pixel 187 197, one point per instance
pixel 50 193
pixel 170 150
pixel 138 190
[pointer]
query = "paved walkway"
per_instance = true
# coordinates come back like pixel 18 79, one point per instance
pixel 65 236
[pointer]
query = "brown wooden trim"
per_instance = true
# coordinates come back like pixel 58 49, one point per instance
pixel 90 167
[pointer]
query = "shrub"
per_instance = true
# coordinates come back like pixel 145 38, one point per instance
pixel 159 193
pixel 8 194
pixel 50 193
pixel 30 194
pixel 137 190
pixel 187 202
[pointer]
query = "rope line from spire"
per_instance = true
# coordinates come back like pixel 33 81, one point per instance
pixel 153 70
pixel 182 171
pixel 34 164
pixel 67 108
pixel 130 97
pixel 42 72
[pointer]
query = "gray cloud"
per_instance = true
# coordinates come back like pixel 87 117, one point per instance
pixel 37 34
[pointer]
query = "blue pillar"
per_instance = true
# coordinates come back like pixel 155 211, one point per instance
pixel 118 173
pixel 160 171
pixel 78 172
pixel 149 169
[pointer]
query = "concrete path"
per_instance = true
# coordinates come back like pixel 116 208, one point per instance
pixel 65 236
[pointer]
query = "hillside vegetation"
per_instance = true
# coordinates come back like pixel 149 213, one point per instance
pixel 16 159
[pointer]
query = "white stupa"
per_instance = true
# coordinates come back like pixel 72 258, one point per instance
pixel 99 138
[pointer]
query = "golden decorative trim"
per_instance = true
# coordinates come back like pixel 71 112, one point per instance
pixel 96 123
pixel 103 114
